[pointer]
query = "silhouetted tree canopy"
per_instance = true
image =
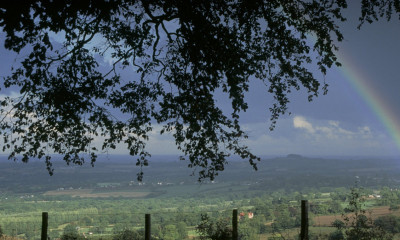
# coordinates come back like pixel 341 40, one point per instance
pixel 183 53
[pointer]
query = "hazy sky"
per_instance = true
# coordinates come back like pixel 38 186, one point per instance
pixel 360 115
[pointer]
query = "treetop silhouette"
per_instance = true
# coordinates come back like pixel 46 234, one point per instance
pixel 182 53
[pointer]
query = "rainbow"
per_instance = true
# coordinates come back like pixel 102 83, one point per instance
pixel 371 97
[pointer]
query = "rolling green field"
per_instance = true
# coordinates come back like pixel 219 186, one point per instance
pixel 102 201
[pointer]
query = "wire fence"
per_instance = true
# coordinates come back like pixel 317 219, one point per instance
pixel 108 224
pixel 253 224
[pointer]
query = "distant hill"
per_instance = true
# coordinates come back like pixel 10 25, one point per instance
pixel 291 172
pixel 294 156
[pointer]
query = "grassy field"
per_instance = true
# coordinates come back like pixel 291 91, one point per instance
pixel 88 193
pixel 326 220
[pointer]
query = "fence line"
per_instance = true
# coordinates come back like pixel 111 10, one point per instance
pixel 304 220
pixel 235 232
pixel 147 220
pixel 45 224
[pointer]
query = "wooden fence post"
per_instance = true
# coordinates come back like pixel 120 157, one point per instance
pixel 235 233
pixel 147 227
pixel 45 224
pixel 304 220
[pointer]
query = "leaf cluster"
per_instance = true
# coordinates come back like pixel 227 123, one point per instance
pixel 214 230
pixel 357 222
pixel 182 55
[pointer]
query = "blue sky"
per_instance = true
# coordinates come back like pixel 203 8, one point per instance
pixel 338 124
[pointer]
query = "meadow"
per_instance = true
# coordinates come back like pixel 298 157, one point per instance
pixel 103 201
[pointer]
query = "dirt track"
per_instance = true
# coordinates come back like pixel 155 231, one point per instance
pixel 327 220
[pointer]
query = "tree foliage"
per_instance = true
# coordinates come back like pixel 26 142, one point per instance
pixel 357 224
pixel 71 233
pixel 389 223
pixel 182 53
pixel 128 234
pixel 214 230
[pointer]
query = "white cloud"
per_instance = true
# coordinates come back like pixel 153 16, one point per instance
pixel 11 94
pixel 97 42
pixel 330 129
pixel 311 137
pixel 301 122
pixel 57 37
pixel 156 145
pixel 8 112
pixel 302 135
